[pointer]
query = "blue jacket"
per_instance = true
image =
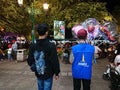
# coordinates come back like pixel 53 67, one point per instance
pixel 82 64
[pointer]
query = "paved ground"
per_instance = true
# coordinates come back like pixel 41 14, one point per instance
pixel 17 76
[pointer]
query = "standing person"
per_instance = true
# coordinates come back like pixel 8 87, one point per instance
pixel 9 52
pixel 14 48
pixel 43 59
pixel 83 54
pixel 1 54
pixel 97 53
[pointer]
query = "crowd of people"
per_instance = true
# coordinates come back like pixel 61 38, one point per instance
pixel 9 50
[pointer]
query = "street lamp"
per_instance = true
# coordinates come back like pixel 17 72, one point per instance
pixel 45 7
pixel 20 2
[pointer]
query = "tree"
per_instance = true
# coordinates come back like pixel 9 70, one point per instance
pixel 13 18
pixel 18 19
pixel 78 12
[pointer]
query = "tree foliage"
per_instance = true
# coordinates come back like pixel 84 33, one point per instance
pixel 13 18
pixel 77 12
pixel 18 19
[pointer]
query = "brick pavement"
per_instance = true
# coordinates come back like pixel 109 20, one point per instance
pixel 17 76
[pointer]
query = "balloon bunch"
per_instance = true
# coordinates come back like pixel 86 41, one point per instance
pixel 96 30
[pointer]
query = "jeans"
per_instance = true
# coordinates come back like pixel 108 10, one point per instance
pixel 77 84
pixel 45 84
pixel 1 56
pixel 9 57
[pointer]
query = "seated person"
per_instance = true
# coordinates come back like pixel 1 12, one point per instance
pixel 111 54
pixel 117 62
pixel 66 54
pixel 115 65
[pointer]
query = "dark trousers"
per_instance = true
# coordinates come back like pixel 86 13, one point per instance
pixel 1 56
pixel 14 55
pixel 77 84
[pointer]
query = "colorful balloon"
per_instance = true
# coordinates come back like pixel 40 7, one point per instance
pixel 91 28
pixel 90 21
pixel 75 29
pixel 95 30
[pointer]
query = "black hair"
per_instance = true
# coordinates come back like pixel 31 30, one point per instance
pixel 42 29
pixel 82 37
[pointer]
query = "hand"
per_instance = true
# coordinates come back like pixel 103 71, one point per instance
pixel 56 77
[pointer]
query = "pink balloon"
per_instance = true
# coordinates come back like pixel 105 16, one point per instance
pixel 91 28
pixel 76 28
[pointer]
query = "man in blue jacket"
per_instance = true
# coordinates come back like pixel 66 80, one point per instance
pixel 83 54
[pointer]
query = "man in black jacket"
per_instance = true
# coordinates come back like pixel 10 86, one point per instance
pixel 43 59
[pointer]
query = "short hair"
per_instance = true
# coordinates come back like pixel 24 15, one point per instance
pixel 42 29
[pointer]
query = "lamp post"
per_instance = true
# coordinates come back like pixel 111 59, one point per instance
pixel 20 2
pixel 32 12
pixel 45 7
